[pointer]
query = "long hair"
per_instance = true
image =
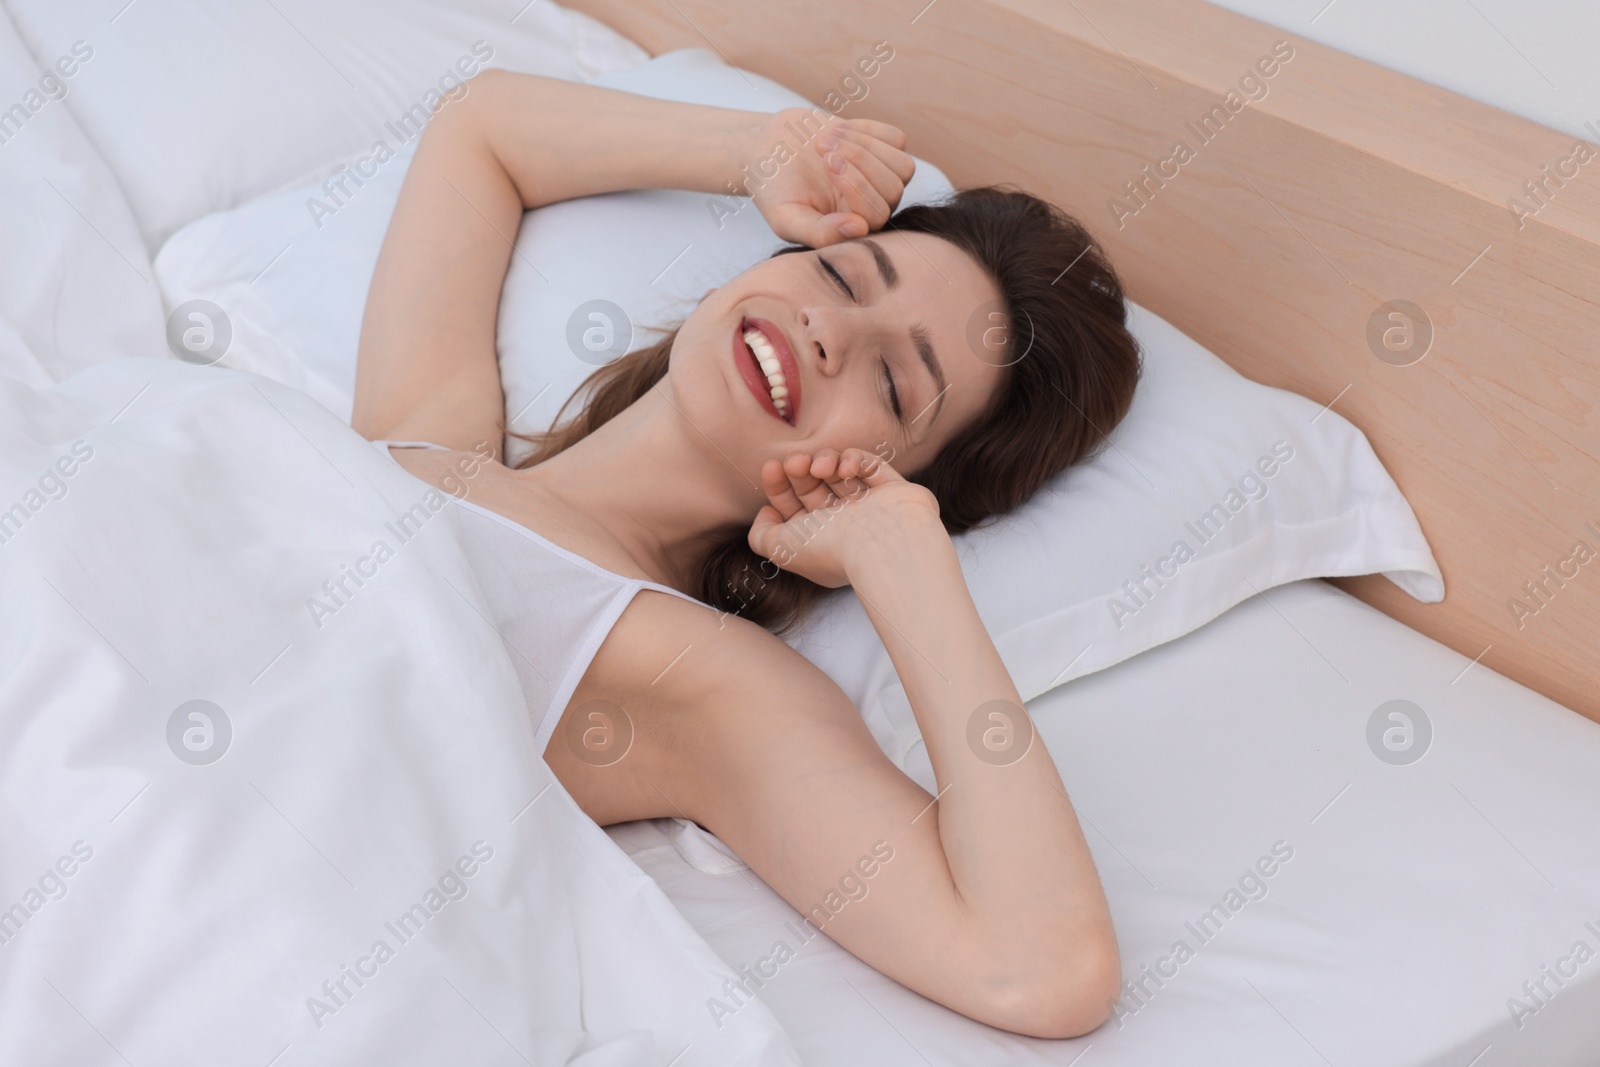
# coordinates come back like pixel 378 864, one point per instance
pixel 1056 403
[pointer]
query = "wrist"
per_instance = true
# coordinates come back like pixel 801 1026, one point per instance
pixel 745 144
pixel 695 147
pixel 913 543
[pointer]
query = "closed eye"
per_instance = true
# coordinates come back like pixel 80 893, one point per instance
pixel 894 393
pixel 837 278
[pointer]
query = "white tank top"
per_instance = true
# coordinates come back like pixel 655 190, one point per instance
pixel 553 607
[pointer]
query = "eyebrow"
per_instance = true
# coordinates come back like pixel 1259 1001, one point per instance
pixel 919 338
pixel 919 333
pixel 886 271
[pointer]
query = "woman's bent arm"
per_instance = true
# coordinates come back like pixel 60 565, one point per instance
pixel 1014 877
pixel 1021 869
pixel 426 366
pixel 756 744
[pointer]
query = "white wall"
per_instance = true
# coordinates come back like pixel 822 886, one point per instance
pixel 1536 58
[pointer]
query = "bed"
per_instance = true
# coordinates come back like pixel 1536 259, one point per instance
pixel 1289 882
pixel 1418 900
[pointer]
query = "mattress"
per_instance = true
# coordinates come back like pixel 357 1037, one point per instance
pixel 1295 876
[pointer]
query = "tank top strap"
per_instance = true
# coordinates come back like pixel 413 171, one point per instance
pixel 644 583
pixel 385 444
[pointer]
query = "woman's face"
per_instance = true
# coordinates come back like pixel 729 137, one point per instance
pixel 899 311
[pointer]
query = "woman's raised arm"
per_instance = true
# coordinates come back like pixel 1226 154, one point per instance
pixel 1006 920
pixel 426 365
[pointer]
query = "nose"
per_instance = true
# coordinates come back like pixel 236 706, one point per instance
pixel 826 333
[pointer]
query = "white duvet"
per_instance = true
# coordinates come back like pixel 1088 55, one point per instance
pixel 234 830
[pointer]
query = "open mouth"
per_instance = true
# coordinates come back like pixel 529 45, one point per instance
pixel 768 368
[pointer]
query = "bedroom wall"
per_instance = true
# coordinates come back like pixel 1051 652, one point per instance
pixel 1533 58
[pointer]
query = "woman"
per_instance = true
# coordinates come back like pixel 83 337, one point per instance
pixel 828 417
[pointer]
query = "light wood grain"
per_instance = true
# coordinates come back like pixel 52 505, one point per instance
pixel 1345 187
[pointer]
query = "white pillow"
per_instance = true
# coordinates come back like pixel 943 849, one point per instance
pixel 1045 579
pixel 76 284
pixel 200 106
pixel 1186 467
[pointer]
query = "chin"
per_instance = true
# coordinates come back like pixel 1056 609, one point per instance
pixel 713 400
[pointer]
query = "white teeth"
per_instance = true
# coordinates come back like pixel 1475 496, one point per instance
pixel 767 359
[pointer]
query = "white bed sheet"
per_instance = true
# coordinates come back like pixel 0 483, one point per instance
pixel 1417 901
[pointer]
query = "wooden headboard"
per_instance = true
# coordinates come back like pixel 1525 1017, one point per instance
pixel 1312 199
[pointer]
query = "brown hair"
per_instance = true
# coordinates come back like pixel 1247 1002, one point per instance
pixel 1057 402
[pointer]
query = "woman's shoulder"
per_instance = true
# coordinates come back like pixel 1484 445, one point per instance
pixel 675 659
pixel 702 694
pixel 693 643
